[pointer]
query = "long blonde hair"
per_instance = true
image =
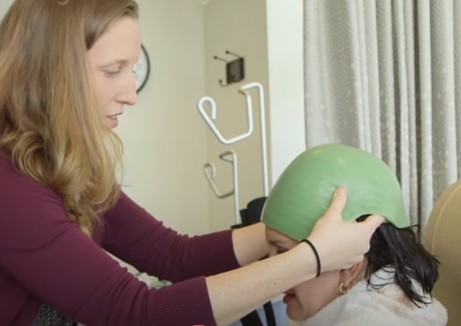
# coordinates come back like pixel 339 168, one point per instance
pixel 50 122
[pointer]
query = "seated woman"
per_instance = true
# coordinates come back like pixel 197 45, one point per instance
pixel 393 284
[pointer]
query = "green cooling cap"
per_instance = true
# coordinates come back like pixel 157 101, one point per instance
pixel 304 190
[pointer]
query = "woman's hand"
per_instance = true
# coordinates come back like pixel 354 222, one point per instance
pixel 341 244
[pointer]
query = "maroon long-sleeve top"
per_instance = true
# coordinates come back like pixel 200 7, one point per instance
pixel 44 258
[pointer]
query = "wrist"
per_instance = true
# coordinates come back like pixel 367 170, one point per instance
pixel 316 255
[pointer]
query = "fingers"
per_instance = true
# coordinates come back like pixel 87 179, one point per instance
pixel 338 203
pixel 374 221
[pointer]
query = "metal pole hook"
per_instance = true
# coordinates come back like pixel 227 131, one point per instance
pixel 262 121
pixel 212 126
pixel 210 173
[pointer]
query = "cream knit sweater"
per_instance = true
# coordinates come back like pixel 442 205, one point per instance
pixel 385 306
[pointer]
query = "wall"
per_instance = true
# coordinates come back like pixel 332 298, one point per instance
pixel 268 34
pixel 229 27
pixel 286 81
pixel 4 5
pixel 163 135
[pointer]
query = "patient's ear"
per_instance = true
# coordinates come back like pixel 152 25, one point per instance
pixel 354 274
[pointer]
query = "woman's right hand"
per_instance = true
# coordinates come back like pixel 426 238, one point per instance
pixel 341 244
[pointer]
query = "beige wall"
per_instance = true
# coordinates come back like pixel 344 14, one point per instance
pixel 286 81
pixel 4 5
pixel 268 34
pixel 166 140
pixel 240 27
pixel 165 144
pixel 183 36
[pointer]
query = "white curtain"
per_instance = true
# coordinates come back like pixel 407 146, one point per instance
pixel 385 76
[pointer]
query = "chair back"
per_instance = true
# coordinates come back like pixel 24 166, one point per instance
pixel 442 237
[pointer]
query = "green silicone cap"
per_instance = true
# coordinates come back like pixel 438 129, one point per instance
pixel 304 190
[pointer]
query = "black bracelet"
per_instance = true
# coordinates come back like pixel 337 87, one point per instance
pixel 317 257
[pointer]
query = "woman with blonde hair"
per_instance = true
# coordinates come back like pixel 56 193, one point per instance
pixel 66 73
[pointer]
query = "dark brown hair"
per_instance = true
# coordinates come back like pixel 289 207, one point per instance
pixel 400 249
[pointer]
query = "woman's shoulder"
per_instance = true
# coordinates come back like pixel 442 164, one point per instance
pixel 9 173
pixel 20 192
pixel 12 179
